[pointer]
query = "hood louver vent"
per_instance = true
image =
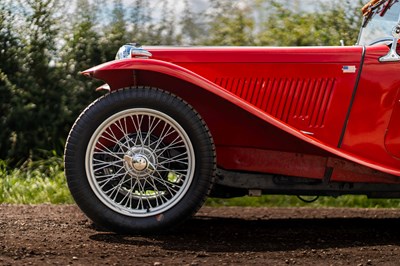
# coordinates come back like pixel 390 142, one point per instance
pixel 293 101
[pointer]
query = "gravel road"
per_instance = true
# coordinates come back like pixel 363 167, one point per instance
pixel 61 234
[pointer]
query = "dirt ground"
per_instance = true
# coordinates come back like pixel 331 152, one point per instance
pixel 54 234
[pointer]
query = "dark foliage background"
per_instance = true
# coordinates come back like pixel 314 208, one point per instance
pixel 45 43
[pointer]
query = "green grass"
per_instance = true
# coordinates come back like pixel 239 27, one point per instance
pixel 43 181
pixel 34 182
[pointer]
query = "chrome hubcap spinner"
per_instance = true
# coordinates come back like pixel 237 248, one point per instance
pixel 139 162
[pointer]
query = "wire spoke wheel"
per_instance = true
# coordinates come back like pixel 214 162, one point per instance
pixel 140 162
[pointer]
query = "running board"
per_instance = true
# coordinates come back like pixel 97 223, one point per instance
pixel 289 185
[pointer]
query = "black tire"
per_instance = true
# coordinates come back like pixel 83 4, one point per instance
pixel 139 160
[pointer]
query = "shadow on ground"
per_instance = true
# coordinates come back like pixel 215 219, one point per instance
pixel 236 235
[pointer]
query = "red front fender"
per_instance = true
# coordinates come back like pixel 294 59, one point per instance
pixel 129 72
pixel 124 73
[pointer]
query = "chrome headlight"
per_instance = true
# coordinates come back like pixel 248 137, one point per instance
pixel 132 50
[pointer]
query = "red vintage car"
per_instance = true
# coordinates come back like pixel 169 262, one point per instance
pixel 182 123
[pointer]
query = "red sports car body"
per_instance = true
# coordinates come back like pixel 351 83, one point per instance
pixel 251 120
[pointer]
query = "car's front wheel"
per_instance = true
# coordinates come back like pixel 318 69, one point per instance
pixel 139 160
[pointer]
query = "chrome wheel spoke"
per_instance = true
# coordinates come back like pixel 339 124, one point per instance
pixel 104 182
pixel 167 184
pixel 180 158
pixel 113 140
pixel 108 151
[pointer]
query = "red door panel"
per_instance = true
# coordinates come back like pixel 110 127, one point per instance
pixel 371 116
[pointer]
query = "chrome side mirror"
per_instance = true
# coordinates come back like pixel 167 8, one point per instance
pixel 393 56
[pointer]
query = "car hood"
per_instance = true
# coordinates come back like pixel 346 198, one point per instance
pixel 342 54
